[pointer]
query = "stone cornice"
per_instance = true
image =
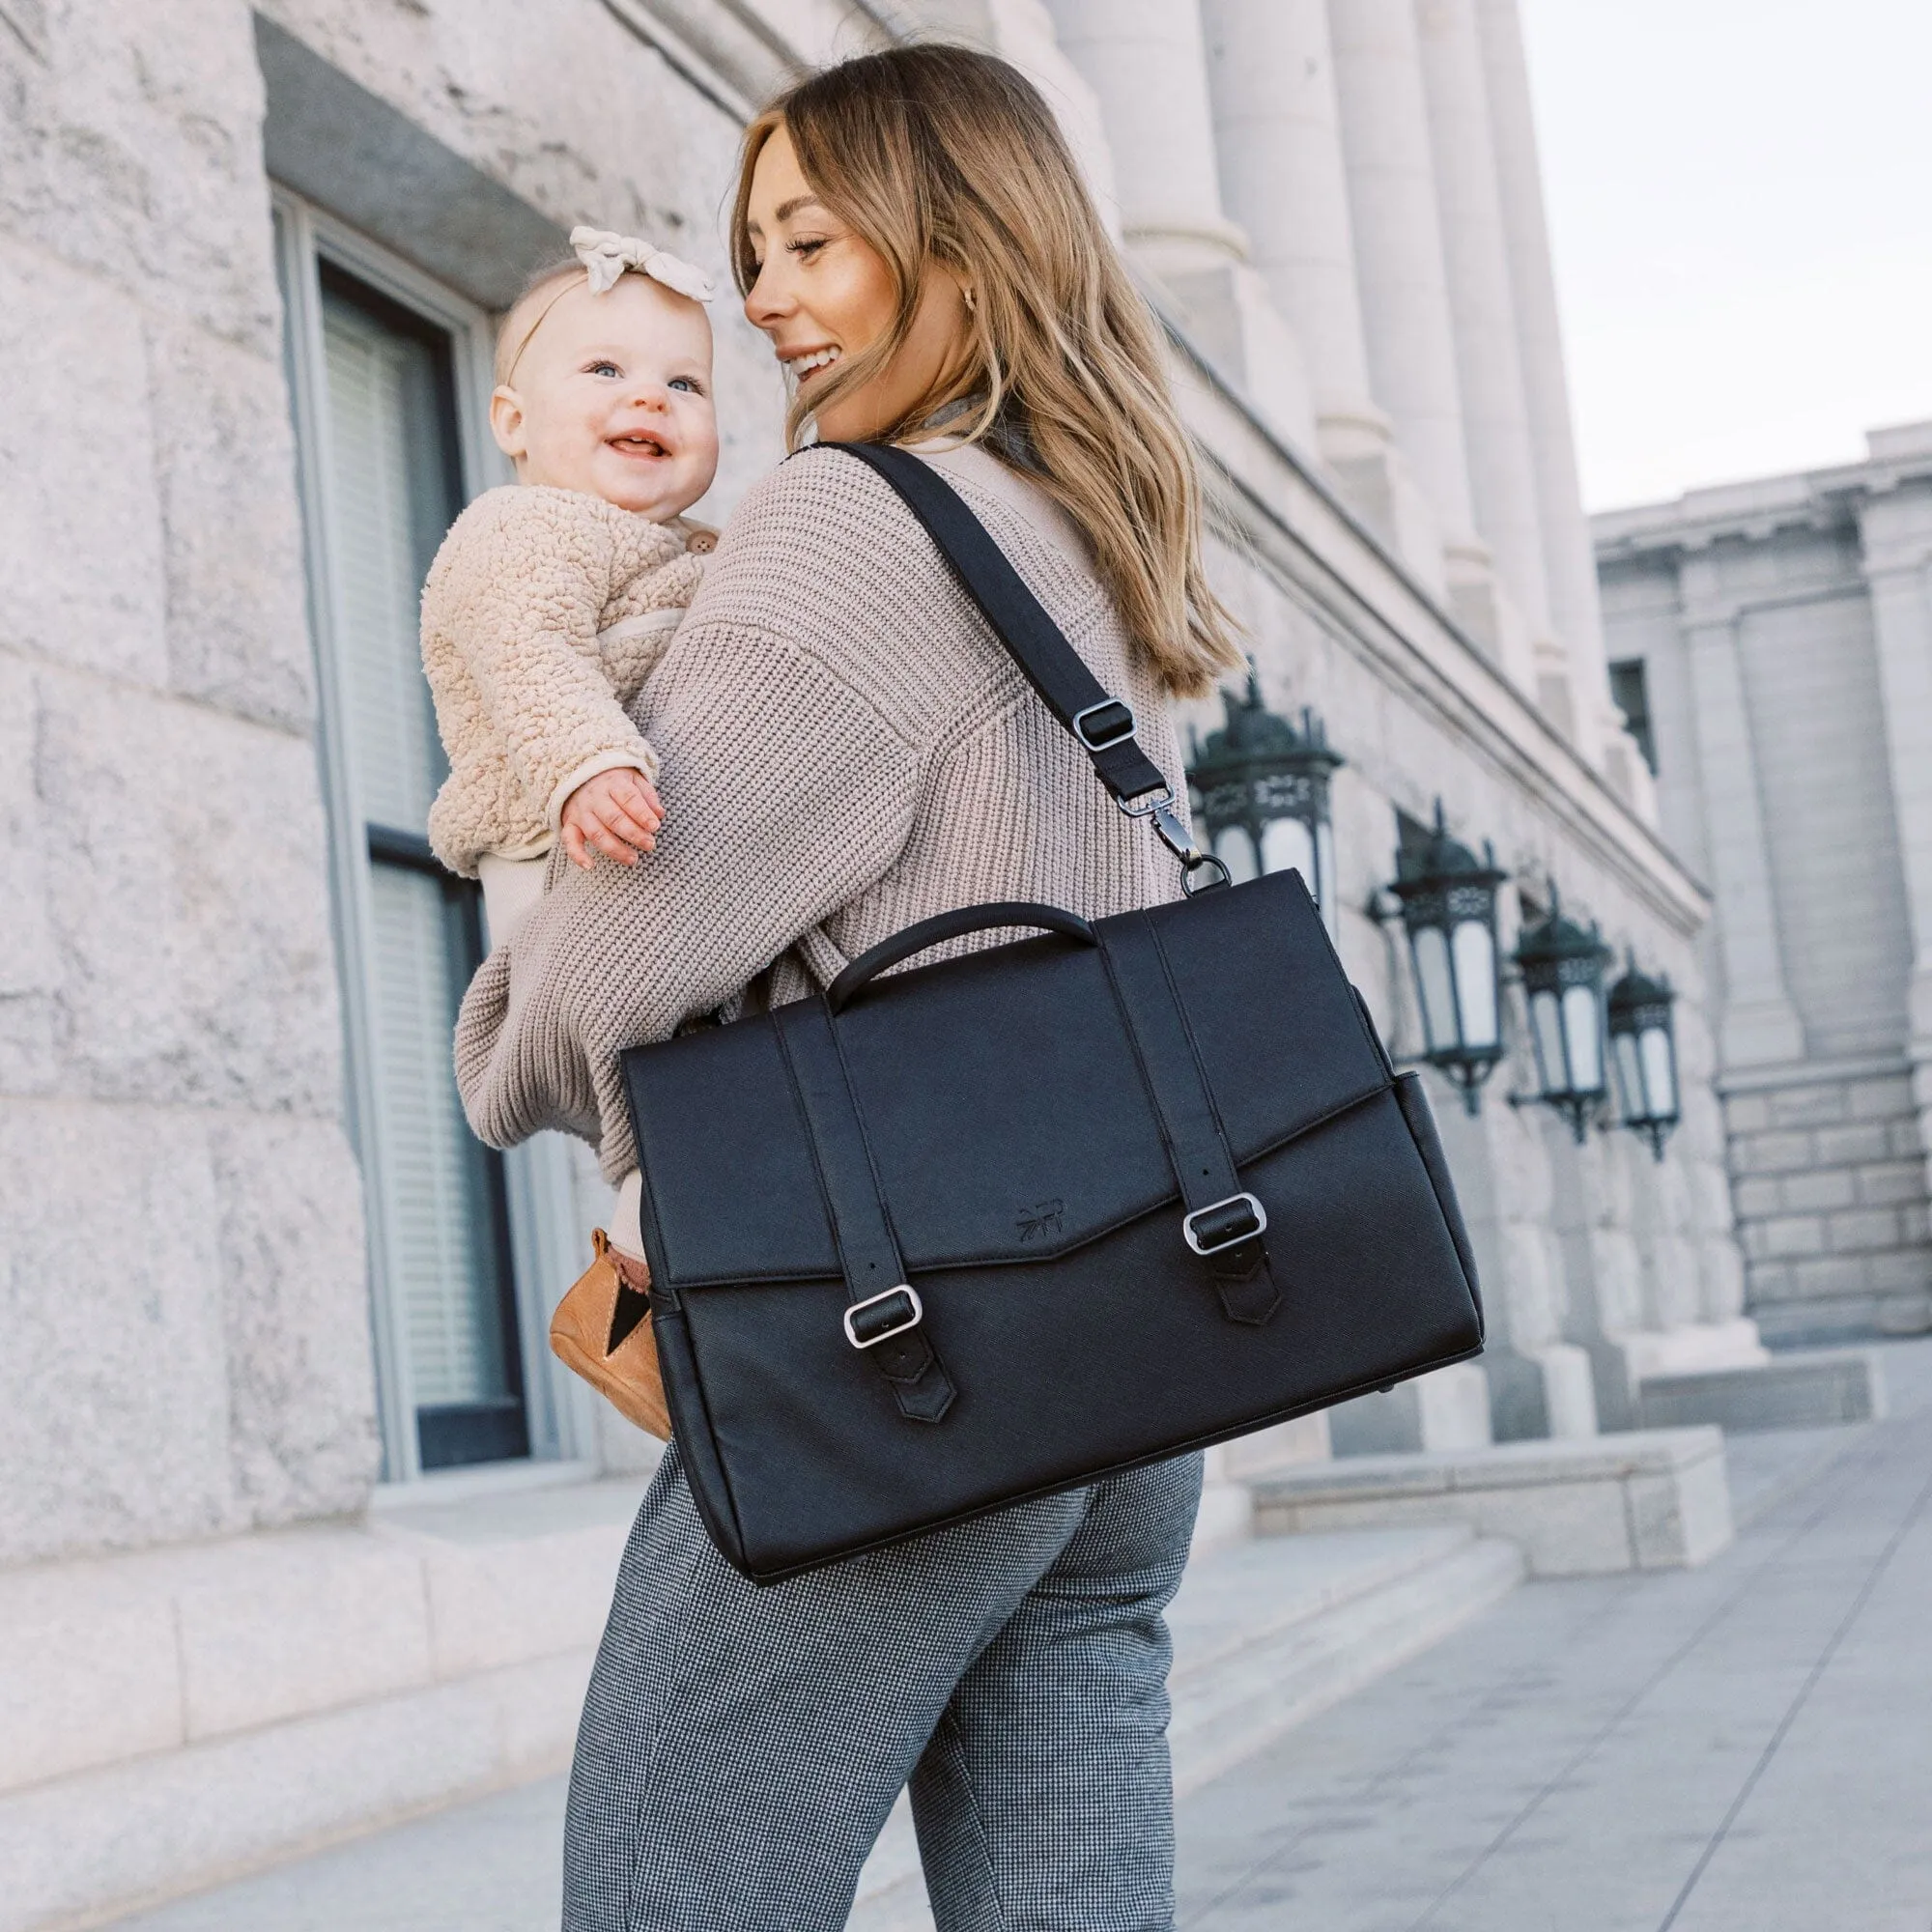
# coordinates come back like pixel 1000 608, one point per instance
pixel 1825 500
pixel 738 53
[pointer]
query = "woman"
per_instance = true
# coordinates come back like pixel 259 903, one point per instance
pixel 846 750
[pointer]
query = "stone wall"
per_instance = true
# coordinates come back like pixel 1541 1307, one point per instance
pixel 1783 644
pixel 1829 1182
pixel 187 1333
pixel 184 1278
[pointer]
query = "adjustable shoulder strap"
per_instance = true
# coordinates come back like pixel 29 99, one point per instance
pixel 1104 724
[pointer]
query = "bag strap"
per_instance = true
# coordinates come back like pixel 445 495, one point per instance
pixel 1104 725
pixel 885 1317
pixel 1221 1221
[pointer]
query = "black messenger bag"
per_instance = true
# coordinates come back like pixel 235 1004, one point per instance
pixel 1005 1223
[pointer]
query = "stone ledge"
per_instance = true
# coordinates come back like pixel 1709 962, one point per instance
pixel 1652 1499
pixel 82 1850
pixel 174 1715
pixel 110 1659
pixel 1814 1390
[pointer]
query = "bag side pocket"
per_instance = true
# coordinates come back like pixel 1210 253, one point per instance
pixel 1415 1110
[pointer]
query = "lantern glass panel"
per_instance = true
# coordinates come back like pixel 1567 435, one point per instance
pixel 1437 986
pixel 1583 1034
pixel 1660 1072
pixel 1546 1032
pixel 1328 898
pixel 1287 847
pixel 1236 850
pixel 1631 1077
pixel 1474 947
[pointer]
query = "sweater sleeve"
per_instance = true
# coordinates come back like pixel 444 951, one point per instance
pixel 790 794
pixel 522 597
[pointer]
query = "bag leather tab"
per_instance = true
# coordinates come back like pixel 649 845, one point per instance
pixel 1204 1165
pixel 868 1254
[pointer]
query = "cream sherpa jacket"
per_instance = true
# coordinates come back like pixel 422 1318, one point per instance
pixel 542 613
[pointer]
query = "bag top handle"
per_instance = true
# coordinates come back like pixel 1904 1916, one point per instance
pixel 1104 725
pixel 945 925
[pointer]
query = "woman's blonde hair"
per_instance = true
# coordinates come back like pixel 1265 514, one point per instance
pixel 939 154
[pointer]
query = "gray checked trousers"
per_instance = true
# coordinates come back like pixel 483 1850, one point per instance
pixel 741 1747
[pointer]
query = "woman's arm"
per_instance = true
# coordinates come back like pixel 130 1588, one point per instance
pixel 789 792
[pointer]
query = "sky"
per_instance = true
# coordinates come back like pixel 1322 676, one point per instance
pixel 1740 197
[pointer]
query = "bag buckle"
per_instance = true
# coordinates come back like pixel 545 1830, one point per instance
pixel 1199 870
pixel 884 1327
pixel 1239 1218
pixel 1114 724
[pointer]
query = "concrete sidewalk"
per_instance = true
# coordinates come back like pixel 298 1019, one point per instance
pixel 1746 1748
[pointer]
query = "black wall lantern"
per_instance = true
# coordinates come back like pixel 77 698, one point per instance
pixel 1563 980
pixel 1264 794
pixel 1449 911
pixel 1643 1049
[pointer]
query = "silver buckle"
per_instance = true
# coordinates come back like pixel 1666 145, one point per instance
pixel 1145 804
pixel 911 1321
pixel 1187 1222
pixel 1080 719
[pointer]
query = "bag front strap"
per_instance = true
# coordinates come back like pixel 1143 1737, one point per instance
pixel 1034 640
pixel 883 1304
pixel 1215 1206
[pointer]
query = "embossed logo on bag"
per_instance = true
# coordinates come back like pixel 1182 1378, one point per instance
pixel 1040 1220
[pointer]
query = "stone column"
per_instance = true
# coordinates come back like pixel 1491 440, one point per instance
pixel 1896 528
pixel 1760 1025
pixel 1147 63
pixel 1021 31
pixel 1272 81
pixel 1271 76
pixel 1482 305
pixel 1405 291
pixel 1568 557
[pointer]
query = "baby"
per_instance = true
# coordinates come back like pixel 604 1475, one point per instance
pixel 551 598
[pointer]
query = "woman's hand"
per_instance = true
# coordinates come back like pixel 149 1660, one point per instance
pixel 616 812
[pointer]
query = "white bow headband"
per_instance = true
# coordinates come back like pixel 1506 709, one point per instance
pixel 606 256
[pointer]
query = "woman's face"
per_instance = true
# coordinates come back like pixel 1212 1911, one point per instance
pixel 824 292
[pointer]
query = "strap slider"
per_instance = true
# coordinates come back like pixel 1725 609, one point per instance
pixel 866 1330
pixel 1224 1224
pixel 1103 725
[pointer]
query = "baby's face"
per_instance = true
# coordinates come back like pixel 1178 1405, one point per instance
pixel 613 396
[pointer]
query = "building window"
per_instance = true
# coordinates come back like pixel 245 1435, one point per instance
pixel 389 395
pixel 1629 692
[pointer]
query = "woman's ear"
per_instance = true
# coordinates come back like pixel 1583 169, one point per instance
pixel 506 422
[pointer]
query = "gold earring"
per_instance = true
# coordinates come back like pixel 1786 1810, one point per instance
pixel 967 296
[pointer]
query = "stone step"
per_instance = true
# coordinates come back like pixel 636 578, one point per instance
pixel 1266 1634
pixel 1644 1499
pixel 1819 1388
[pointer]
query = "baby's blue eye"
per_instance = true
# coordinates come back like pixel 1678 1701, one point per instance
pixel 684 383
pixel 603 369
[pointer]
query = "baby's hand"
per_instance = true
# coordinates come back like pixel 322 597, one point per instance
pixel 617 812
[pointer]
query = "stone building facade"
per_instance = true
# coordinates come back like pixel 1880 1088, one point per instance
pixel 1778 636
pixel 300 1526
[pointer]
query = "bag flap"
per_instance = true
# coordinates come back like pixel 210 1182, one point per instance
pixel 1003 1099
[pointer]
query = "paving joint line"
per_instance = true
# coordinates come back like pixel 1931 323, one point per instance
pixel 1798 1702
pixel 1368 1792
pixel 1632 1584
pixel 1717 1616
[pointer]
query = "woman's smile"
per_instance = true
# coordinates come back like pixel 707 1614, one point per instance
pixel 804 364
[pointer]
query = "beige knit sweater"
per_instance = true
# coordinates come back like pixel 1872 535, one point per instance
pixel 541 615
pixel 845 750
